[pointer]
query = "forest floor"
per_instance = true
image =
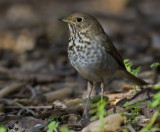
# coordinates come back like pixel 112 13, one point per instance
pixel 41 91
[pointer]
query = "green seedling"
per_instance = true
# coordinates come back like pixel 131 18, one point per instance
pixel 156 97
pixel 156 64
pixel 54 124
pixel 134 111
pixel 150 127
pixel 124 130
pixel 54 118
pixel 100 112
pixel 128 65
pixel 3 128
pixel 156 104
pixel 52 127
pixel 65 129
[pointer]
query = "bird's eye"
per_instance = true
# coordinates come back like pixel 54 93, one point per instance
pixel 79 19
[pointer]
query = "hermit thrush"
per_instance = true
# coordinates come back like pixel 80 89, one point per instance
pixel 92 53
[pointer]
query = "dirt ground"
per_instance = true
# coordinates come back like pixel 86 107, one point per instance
pixel 37 83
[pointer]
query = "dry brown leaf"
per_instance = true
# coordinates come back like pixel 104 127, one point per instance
pixel 112 123
pixel 73 102
pixel 114 98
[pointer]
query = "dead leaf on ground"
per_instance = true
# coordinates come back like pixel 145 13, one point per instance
pixel 112 123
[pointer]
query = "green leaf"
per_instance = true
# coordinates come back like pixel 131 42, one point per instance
pixel 124 130
pixel 157 96
pixel 155 103
pixel 128 65
pixel 155 64
pixel 99 111
pixel 65 129
pixel 151 123
pixel 157 86
pixel 53 126
pixel 93 111
pixel 136 71
pixel 128 104
pixel 3 129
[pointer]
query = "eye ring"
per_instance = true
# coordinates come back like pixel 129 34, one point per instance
pixel 79 19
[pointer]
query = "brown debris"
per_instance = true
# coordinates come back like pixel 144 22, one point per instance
pixel 11 88
pixel 59 94
pixel 112 123
pixel 37 83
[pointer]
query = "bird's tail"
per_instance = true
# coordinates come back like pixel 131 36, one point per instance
pixel 134 79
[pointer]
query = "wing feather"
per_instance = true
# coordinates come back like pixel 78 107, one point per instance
pixel 113 51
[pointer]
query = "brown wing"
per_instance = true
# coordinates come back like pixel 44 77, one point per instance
pixel 113 51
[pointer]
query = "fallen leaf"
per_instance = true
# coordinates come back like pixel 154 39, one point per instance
pixel 112 123
pixel 73 102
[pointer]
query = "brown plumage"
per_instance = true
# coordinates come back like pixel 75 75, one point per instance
pixel 92 53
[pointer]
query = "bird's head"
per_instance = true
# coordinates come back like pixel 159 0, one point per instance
pixel 83 22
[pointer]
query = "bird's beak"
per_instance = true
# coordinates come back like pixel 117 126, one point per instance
pixel 64 20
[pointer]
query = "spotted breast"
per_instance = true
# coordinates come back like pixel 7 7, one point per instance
pixel 87 55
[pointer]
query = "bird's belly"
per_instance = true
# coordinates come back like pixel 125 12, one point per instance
pixel 93 63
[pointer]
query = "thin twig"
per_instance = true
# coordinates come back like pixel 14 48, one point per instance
pixel 13 102
pixel 30 107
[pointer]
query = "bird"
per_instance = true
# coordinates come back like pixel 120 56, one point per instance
pixel 92 53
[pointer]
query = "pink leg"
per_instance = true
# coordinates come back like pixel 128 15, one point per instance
pixel 102 89
pixel 90 91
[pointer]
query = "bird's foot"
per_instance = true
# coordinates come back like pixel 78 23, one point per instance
pixel 85 118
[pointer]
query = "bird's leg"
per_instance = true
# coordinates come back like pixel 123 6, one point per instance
pixel 90 84
pixel 102 88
